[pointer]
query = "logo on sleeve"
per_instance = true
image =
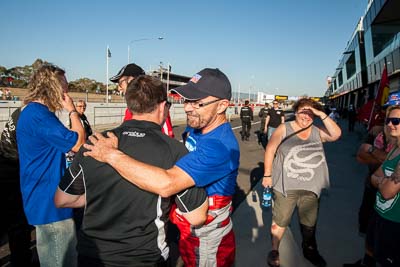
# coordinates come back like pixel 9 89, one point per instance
pixel 134 134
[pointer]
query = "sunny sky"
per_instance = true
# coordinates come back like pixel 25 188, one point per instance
pixel 285 47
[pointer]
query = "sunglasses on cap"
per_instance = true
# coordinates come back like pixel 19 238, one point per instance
pixel 394 121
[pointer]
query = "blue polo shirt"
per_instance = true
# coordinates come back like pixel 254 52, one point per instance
pixel 213 160
pixel 42 143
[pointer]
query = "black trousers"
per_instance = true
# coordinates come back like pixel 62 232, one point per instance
pixel 84 261
pixel 246 127
pixel 14 220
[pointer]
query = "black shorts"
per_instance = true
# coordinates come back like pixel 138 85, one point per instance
pixel 384 237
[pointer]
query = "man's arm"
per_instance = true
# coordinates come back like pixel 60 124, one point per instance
pixel 192 204
pixel 198 216
pixel 283 117
pixel 64 200
pixel 71 189
pixel 163 182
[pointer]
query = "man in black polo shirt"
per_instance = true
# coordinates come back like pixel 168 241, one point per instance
pixel 275 116
pixel 246 115
pixel 122 224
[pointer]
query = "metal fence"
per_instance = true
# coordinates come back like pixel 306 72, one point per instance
pixel 108 115
pixel 5 115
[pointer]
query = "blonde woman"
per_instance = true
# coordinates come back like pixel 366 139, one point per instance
pixel 384 231
pixel 42 143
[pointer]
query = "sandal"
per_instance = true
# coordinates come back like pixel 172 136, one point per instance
pixel 273 258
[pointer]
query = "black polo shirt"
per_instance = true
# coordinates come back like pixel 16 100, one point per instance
pixel 124 225
pixel 275 117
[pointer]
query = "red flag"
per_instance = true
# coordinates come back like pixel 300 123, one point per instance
pixel 380 100
pixel 364 112
pixel 383 91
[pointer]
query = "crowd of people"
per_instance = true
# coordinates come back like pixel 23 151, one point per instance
pixel 5 94
pixel 119 198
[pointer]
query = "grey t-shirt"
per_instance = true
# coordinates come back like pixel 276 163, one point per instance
pixel 300 164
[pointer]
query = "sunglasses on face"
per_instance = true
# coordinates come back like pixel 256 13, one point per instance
pixel 306 112
pixel 197 104
pixel 394 121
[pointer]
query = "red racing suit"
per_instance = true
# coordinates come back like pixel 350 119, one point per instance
pixel 212 244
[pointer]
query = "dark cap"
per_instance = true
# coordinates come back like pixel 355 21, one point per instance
pixel 207 82
pixel 128 70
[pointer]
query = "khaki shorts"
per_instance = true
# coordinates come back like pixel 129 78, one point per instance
pixel 307 203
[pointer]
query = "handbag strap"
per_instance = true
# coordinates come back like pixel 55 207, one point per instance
pixel 292 134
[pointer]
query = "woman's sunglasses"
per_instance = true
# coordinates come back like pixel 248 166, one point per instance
pixel 394 121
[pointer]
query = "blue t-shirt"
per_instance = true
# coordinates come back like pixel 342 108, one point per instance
pixel 42 143
pixel 213 160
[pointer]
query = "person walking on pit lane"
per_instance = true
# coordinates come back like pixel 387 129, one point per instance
pixel 212 163
pixel 274 118
pixel 127 74
pixel 42 141
pixel 122 224
pixel 261 135
pixel 295 167
pixel 263 115
pixel 246 116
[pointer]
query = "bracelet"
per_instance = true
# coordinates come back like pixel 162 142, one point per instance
pixel 72 112
pixel 267 176
pixel 325 118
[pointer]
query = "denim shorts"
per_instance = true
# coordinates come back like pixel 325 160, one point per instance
pixel 56 244
pixel 306 202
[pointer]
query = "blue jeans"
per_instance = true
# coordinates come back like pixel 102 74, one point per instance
pixel 270 131
pixel 56 244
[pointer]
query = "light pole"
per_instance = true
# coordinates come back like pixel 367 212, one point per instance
pixel 251 86
pixel 138 40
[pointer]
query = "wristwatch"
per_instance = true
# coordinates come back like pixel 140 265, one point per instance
pixel 371 149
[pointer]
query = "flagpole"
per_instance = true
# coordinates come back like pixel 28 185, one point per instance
pixel 169 68
pixel 107 56
pixel 371 115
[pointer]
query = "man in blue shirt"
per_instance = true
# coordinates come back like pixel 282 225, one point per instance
pixel 124 225
pixel 212 163
pixel 42 143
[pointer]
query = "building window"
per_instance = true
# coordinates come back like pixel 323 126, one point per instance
pixel 351 66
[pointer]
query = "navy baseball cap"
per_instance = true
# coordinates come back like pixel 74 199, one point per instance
pixel 128 70
pixel 207 82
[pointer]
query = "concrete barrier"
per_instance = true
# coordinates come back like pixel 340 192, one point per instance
pixel 106 113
